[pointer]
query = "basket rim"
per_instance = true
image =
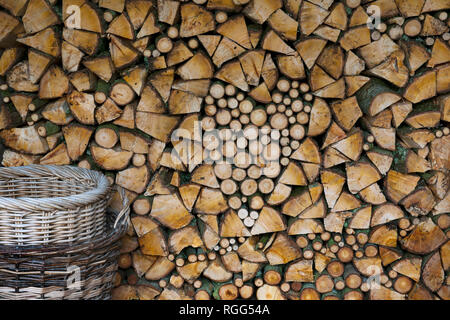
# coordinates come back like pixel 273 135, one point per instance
pixel 111 234
pixel 25 204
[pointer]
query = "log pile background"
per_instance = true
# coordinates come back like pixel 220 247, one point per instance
pixel 345 193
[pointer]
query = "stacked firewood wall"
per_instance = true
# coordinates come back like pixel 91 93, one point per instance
pixel 271 149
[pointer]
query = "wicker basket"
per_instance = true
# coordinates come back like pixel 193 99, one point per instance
pixel 51 205
pixel 69 272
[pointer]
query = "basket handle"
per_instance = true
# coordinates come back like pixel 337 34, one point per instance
pixel 124 215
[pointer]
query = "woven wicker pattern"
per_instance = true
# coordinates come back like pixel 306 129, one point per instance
pixel 70 272
pixel 50 205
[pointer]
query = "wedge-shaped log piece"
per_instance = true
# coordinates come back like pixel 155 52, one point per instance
pixel 420 202
pixel 134 178
pixel 195 20
pixel 17 8
pixel 8 58
pixel 311 16
pixel 183 238
pixel 273 42
pixel 161 268
pixel 346 112
pixel 115 5
pixel 150 101
pixel 71 56
pixel 433 26
pixel 268 292
pixel 291 66
pixel 361 218
pixel 293 175
pixel 354 65
pixel 355 38
pixel 82 106
pixel 205 175
pixel 332 185
pixel 409 267
pixel 24 140
pixel 57 112
pixel 320 118
pixel 260 10
pixel 83 40
pixel 217 272
pixel 141 262
pixel 445 255
pixel 334 134
pixel 383 293
pixel 154 243
pixel 296 204
pixel 360 175
pixel 279 194
pixel 377 51
pixel 381 159
pixel 317 210
pixel 232 226
pixel 433 273
pixel 192 271
pixel 235 29
pixel 300 271
pixel 399 185
pixel 124 292
pixel 385 213
pixel 368 266
pixel 384 235
pixel 143 225
pixel 261 93
pixel 248 251
pixel 198 67
pixel 77 138
pixel 181 102
pixel 424 238
pixel 107 112
pixel 282 250
pixel 57 156
pixel 334 90
pixel 101 66
pixel 156 125
pixel 122 54
pixel 421 88
pixel 439 153
pixel 305 226
pixel 269 72
pixel 232 73
pixel 269 220
pixel 110 159
pixel 200 87
pixel 332 60
pixel 389 255
pixel 45 41
pixel 211 201
pixel 392 69
pixel 310 50
pixel 149 27
pixel 121 27
pixel 209 42
pixel 319 79
pixel 232 262
pixel 38 16
pixel 87 14
pixel 308 151
pixel 282 23
pixel 170 211
pixel 334 221
pixel 332 157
